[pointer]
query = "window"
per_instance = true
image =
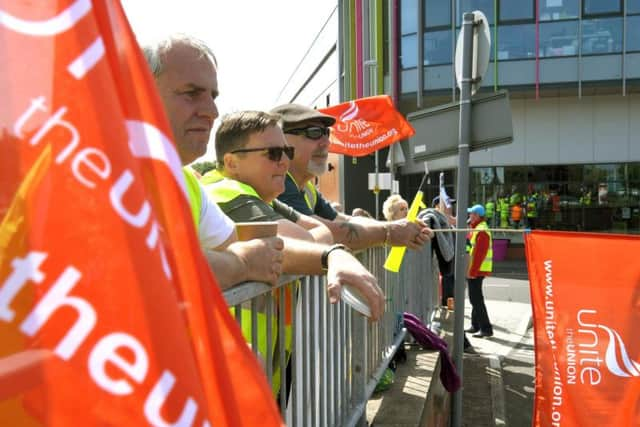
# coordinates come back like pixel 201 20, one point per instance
pixel 464 6
pixel 437 13
pixel 600 7
pixel 604 197
pixel 633 172
pixel 408 13
pixel 437 47
pixel 554 10
pixel 633 34
pixel 491 32
pixel 633 6
pixel 516 41
pixel 559 38
pixel 409 51
pixel 516 10
pixel 601 36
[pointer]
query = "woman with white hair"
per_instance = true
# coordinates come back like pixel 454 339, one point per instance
pixel 395 207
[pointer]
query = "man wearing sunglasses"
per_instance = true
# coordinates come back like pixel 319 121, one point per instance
pixel 253 159
pixel 307 130
pixel 184 69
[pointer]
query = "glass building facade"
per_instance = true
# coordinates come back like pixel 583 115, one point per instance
pixel 560 28
pixel 552 49
pixel 596 197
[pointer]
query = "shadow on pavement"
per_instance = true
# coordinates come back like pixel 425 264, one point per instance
pixel 518 378
pixel 476 392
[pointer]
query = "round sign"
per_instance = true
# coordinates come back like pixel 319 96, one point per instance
pixel 487 175
pixel 481 51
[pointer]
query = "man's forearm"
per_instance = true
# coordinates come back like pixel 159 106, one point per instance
pixel 318 230
pixel 301 257
pixel 356 232
pixel 228 268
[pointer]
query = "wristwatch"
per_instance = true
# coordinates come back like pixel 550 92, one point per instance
pixel 324 259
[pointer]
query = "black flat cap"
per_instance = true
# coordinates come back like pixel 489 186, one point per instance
pixel 294 114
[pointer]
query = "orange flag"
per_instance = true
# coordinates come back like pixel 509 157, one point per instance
pixel 366 125
pixel 109 314
pixel 585 291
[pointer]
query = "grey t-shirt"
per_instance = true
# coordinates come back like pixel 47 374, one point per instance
pixel 245 208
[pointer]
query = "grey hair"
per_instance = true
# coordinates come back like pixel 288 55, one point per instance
pixel 155 52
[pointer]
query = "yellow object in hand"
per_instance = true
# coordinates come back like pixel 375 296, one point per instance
pixel 394 260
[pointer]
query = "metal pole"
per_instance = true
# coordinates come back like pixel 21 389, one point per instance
pixel 372 64
pixel 344 78
pixel 377 189
pixel 464 139
pixel 420 63
pixel 393 75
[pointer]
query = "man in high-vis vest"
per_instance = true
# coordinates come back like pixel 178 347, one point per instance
pixel 516 215
pixel 307 130
pixel 490 208
pixel 503 208
pixel 184 69
pixel 480 249
pixel 532 209
pixel 253 158
pixel 252 161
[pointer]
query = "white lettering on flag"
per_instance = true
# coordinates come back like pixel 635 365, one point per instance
pixel 51 27
pixel 87 60
pixel 147 141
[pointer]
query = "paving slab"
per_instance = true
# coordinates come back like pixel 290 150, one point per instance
pixel 402 404
pixel 476 393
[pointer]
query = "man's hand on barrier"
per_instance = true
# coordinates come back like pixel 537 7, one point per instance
pixel 262 258
pixel 344 268
pixel 410 234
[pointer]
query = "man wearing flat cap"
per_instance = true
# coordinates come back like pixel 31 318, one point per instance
pixel 308 131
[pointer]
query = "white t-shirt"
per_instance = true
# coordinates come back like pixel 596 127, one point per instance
pixel 215 227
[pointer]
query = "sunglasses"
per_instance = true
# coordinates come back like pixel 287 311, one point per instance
pixel 273 153
pixel 311 132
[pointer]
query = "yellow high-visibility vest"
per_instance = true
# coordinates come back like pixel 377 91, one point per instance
pixel 223 190
pixel 310 192
pixel 487 263
pixel 490 209
pixel 193 191
pixel 532 210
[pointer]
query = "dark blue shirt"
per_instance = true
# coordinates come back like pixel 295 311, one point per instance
pixel 294 197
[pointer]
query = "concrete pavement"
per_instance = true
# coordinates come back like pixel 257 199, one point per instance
pixel 497 379
pixel 510 323
pixel 498 388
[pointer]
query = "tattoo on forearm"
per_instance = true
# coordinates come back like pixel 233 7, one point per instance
pixel 352 231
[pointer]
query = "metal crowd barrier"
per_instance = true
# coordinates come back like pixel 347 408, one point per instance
pixel 337 356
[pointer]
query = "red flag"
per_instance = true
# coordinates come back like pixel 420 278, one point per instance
pixel 109 314
pixel 366 125
pixel 585 291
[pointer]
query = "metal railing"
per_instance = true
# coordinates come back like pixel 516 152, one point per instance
pixel 336 356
